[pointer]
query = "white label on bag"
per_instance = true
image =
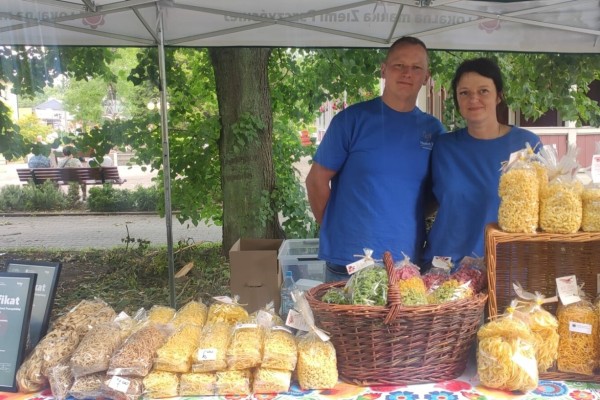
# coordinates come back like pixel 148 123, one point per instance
pixel 358 265
pixel 568 292
pixel 443 263
pixel 295 320
pixel 281 328
pixel 595 168
pixel 580 328
pixel 223 299
pixel 119 384
pixel 206 354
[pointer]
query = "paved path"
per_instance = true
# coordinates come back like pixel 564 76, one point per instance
pixel 95 231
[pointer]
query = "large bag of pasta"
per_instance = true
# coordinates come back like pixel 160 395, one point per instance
pixel 136 355
pixel 88 386
pixel 519 189
pixel 211 353
pixel 96 348
pixel 225 309
pixel 176 354
pixel 161 314
pixel 267 380
pixel 233 382
pixel 579 336
pixel 590 221
pixel 471 270
pixel 61 380
pixel 122 387
pixel 197 384
pixel 317 362
pixel 245 348
pixel 560 201
pixel 161 384
pixel 368 286
pixel 543 325
pixel 57 346
pixel 280 349
pixel 506 354
pixel 193 312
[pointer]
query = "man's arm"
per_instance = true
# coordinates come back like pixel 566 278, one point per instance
pixel 318 189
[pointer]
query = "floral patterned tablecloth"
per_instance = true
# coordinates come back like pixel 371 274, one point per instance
pixel 463 388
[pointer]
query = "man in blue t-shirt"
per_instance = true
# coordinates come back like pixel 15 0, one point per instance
pixel 368 183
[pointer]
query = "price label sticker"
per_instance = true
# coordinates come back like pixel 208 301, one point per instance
pixel 206 354
pixel 568 292
pixel 295 320
pixel 443 263
pixel 119 384
pixel 358 265
pixel 580 328
pixel 223 299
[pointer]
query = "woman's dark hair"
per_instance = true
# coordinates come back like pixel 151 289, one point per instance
pixel 67 151
pixel 482 66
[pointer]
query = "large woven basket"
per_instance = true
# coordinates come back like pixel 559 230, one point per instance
pixel 535 260
pixel 396 345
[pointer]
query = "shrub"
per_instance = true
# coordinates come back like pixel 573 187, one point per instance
pixel 145 199
pixel 11 198
pixel 108 199
pixel 45 197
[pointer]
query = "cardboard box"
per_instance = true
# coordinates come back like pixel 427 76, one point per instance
pixel 255 274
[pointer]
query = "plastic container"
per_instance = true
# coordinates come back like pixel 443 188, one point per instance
pixel 301 257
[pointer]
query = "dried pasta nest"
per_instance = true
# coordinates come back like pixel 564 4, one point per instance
pixel 544 327
pixel 194 312
pixel 161 314
pixel 271 380
pixel 246 346
pixel 280 350
pixel 590 219
pixel 176 354
pixel 561 207
pixel 233 382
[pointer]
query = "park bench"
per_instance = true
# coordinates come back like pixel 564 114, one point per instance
pixel 63 176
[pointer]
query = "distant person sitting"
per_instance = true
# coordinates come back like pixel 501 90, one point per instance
pixel 69 161
pixel 107 161
pixel 39 161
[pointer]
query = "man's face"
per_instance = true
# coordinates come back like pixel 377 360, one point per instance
pixel 405 70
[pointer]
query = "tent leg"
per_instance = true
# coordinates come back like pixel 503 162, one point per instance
pixel 164 121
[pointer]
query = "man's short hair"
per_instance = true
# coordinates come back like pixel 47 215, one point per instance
pixel 408 40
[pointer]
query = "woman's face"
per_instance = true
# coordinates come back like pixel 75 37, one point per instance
pixel 477 98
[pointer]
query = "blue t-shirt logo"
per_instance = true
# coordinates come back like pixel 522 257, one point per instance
pixel 426 141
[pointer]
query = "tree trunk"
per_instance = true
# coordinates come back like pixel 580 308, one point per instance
pixel 245 145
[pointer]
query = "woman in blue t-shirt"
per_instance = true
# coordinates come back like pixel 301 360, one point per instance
pixel 466 163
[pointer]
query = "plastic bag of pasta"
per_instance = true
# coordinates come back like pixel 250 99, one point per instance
pixel 245 348
pixel 88 386
pixel 406 269
pixel 506 354
pixel 176 354
pixel 579 335
pixel 280 350
pixel 161 314
pixel 271 380
pixel 161 384
pixel 473 271
pixel 193 312
pixel 197 384
pixel 368 286
pixel 225 309
pixel 590 216
pixel 543 325
pixel 519 189
pixel 85 315
pixel 317 361
pixel 561 207
pixel 136 354
pixel 96 348
pixel 122 387
pixel 233 382
pixel 450 290
pixel 211 353
pixel 61 380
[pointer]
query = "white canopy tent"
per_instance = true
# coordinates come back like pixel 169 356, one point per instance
pixel 571 26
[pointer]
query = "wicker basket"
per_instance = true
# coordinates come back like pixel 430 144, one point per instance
pixel 535 260
pixel 396 345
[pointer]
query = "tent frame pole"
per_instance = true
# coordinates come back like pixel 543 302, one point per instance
pixel 164 122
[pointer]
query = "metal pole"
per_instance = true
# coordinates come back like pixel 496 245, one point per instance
pixel 164 121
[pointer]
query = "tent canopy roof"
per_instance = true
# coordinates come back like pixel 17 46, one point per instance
pixel 541 25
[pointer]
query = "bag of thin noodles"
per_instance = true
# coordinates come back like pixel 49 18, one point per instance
pixel 506 354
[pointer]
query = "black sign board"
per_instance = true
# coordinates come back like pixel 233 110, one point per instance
pixel 45 289
pixel 16 301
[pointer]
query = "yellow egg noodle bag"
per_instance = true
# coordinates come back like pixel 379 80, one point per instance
pixel 578 343
pixel 543 325
pixel 590 221
pixel 211 353
pixel 560 201
pixel 233 382
pixel 317 362
pixel 197 384
pixel 280 350
pixel 245 348
pixel 161 384
pixel 176 354
pixel 193 312
pixel 225 309
pixel 161 314
pixel 506 354
pixel 266 380
pixel 519 189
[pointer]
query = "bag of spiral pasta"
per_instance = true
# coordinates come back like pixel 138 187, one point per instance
pixel 519 189
pixel 590 219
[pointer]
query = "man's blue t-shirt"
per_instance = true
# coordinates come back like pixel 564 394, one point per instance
pixel 466 174
pixel 382 160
